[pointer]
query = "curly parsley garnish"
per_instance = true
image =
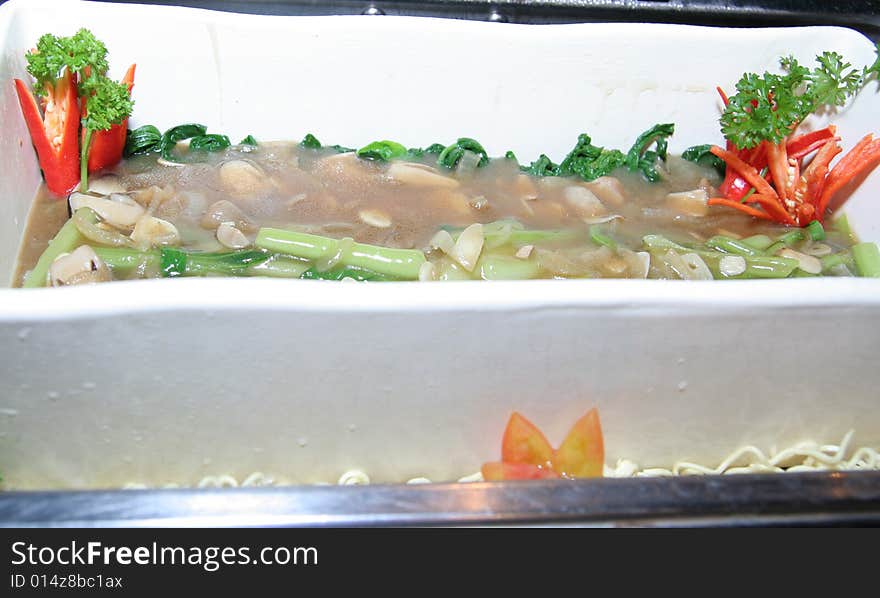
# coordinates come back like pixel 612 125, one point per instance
pixel 770 106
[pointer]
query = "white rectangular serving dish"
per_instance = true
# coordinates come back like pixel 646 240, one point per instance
pixel 141 382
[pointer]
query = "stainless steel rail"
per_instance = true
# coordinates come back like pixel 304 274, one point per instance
pixel 828 498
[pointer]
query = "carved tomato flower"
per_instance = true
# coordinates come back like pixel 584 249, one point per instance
pixel 527 455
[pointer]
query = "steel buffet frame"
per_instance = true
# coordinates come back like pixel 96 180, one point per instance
pixel 811 499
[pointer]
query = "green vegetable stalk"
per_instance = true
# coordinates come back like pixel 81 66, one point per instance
pixel 402 264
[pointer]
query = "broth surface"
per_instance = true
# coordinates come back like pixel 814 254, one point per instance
pixel 597 227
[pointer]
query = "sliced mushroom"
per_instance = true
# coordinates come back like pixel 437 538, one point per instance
pixel 226 211
pixel 808 263
pixel 421 175
pixel 443 241
pixel 154 198
pixel 78 267
pixel 524 252
pixel 584 201
pixel 154 232
pixel 242 178
pixel 231 237
pixel 375 218
pixel 118 210
pixel 427 272
pixel 468 247
pixel 694 203
pixel 608 189
pixel 346 169
pixel 107 184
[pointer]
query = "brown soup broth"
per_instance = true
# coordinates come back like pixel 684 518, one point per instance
pixel 402 204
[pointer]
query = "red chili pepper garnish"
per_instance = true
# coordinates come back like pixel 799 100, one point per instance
pixel 794 194
pixel 803 145
pixel 723 201
pixel 107 145
pixel 54 131
pixel 860 160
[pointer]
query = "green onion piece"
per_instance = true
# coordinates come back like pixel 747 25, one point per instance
pixel 403 264
pixel 728 245
pixel 382 150
pixel 66 240
pixel 816 231
pixel 867 259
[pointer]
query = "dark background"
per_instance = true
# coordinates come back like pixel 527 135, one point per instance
pixel 863 15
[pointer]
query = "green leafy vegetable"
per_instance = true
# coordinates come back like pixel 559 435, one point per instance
pixel 249 140
pixel 543 166
pixel 175 262
pixel 209 143
pixel 172 262
pixel 700 154
pixel 640 158
pixel 418 152
pixel 310 141
pixel 589 161
pixel 382 150
pixel 142 140
pixel 452 154
pixel 178 133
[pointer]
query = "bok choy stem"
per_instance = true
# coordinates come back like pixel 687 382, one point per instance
pixel 67 239
pixel 402 264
